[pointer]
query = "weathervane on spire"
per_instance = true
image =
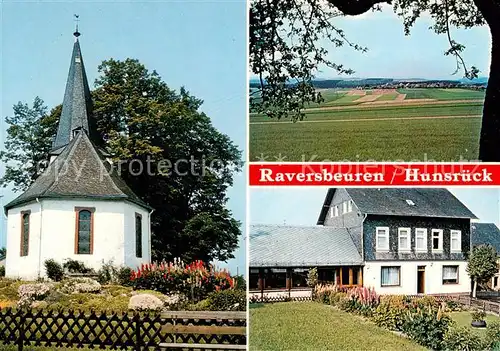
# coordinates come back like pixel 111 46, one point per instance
pixel 77 19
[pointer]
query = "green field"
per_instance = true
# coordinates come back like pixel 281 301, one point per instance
pixel 314 326
pixel 397 140
pixel 335 97
pixel 428 131
pixel 442 94
pixel 387 97
pixel 429 110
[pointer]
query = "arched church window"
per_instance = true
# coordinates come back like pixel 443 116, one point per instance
pixel 84 231
pixel 25 232
pixel 138 235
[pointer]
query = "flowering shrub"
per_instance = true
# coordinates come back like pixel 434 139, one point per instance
pixel 31 292
pixel 145 302
pixel 81 285
pixel 361 300
pixel 364 296
pixel 322 292
pixel 195 280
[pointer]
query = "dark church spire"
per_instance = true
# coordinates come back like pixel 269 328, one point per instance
pixel 77 103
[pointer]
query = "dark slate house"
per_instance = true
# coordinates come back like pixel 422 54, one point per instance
pixel 410 241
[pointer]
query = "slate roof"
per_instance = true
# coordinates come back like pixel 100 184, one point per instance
pixel 428 202
pixel 296 246
pixel 485 233
pixel 79 172
pixel 77 103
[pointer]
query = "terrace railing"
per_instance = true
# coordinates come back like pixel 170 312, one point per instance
pixel 132 331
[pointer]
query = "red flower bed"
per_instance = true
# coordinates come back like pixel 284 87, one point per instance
pixel 195 280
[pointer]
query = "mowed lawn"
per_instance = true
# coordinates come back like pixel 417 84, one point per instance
pixel 464 318
pixel 314 326
pixel 437 140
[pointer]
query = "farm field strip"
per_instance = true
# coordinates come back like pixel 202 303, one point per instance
pixel 370 119
pixel 442 94
pixel 415 103
pixel 388 140
pixel 384 112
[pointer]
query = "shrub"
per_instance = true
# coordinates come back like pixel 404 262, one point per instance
pixel 337 297
pixel 240 283
pixel 74 266
pixel 80 285
pixel 463 338
pixel 195 280
pixel 110 274
pixel 478 315
pixel 32 292
pixel 2 271
pixel 364 300
pixel 492 335
pixel 145 302
pixel 391 312
pixel 106 272
pixel 453 306
pixel 321 292
pixel 123 275
pixel 427 327
pixel 312 277
pixel 228 300
pixel 53 270
pixel 424 301
pixel 203 305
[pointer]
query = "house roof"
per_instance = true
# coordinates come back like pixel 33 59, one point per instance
pixel 79 172
pixel 295 246
pixel 77 103
pixel 485 233
pixel 424 202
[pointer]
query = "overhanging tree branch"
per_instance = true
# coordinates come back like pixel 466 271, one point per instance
pixel 356 7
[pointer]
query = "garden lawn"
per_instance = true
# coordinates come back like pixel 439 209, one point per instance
pixel 464 318
pixel 314 326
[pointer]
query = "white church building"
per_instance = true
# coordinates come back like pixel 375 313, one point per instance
pixel 77 208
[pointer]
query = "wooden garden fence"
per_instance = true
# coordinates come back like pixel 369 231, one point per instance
pixel 279 298
pixel 469 302
pixel 124 331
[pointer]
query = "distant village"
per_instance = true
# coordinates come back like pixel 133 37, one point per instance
pixel 389 83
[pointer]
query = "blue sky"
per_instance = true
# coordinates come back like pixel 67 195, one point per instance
pixel 197 44
pixel 391 54
pixel 301 206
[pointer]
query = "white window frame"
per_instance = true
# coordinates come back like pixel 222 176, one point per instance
pixel 377 246
pixel 424 232
pixel 336 210
pixel 458 234
pixel 408 237
pixel 440 236
pixel 344 207
pixel 349 206
pixel 382 274
pixel 458 275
